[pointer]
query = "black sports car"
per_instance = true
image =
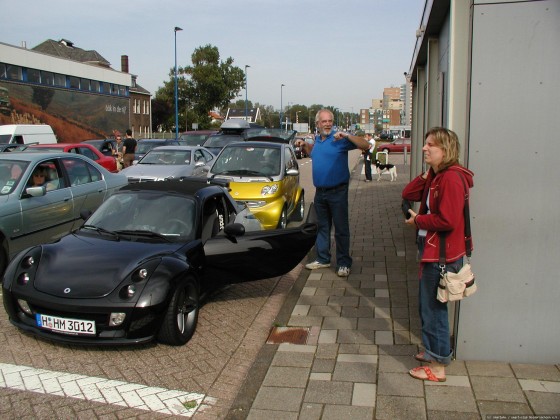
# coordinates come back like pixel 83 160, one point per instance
pixel 139 267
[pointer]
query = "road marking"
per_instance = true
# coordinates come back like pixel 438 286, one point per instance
pixel 107 391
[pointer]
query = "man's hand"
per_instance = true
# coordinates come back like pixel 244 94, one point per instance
pixel 340 135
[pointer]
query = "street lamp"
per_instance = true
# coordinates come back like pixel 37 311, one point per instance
pixel 281 86
pixel 176 96
pixel 246 65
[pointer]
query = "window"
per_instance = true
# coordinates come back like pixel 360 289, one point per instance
pixel 33 76
pixel 3 73
pixel 95 86
pixel 59 80
pixel 74 82
pixel 85 84
pixel 47 78
pixel 14 72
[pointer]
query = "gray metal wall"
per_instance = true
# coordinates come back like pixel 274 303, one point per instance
pixel 514 151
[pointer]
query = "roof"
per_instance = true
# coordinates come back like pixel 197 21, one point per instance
pixel 66 49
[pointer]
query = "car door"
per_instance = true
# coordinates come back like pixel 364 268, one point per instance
pixel 256 255
pixel 291 182
pixel 47 217
pixel 86 183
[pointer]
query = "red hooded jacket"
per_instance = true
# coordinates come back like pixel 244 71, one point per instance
pixel 447 199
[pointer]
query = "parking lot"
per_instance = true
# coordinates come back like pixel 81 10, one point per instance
pixel 150 381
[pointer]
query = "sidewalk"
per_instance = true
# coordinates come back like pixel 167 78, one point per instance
pixel 357 337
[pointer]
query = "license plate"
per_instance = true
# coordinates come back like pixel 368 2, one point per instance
pixel 65 325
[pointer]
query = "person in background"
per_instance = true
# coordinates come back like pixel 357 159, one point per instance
pixel 129 148
pixel 441 192
pixel 367 154
pixel 329 152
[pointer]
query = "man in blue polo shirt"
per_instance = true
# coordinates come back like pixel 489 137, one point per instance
pixel 329 154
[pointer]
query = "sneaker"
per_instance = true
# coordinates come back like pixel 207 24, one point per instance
pixel 343 271
pixel 316 264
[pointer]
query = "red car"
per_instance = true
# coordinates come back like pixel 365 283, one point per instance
pixel 396 146
pixel 108 162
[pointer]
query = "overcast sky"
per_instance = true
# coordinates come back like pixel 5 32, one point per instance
pixel 330 52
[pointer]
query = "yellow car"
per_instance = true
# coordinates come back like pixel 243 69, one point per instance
pixel 265 176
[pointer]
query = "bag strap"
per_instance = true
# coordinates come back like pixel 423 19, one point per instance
pixel 468 237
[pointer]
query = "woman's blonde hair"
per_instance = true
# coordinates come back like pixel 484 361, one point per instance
pixel 449 143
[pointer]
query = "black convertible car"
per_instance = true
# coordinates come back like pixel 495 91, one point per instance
pixel 139 267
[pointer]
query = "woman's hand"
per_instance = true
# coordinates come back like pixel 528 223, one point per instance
pixel 411 219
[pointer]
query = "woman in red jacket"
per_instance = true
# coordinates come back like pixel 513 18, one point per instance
pixel 441 193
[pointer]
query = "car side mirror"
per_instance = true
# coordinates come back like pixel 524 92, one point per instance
pixel 292 172
pixel 84 214
pixel 36 191
pixel 233 230
pixel 199 164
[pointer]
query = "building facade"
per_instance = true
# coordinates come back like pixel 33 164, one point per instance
pixel 468 55
pixel 73 90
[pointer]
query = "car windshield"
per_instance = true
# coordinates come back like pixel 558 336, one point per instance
pixel 221 140
pixel 145 147
pixel 192 139
pixel 166 157
pixel 10 175
pixel 274 133
pixel 5 138
pixel 172 216
pixel 248 160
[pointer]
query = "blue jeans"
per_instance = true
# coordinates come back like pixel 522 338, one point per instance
pixel 433 314
pixel 331 206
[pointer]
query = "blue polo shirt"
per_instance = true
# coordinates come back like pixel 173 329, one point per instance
pixel 330 161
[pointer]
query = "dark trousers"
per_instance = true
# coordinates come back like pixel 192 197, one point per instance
pixel 367 165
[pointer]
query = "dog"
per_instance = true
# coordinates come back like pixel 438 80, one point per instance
pixel 385 168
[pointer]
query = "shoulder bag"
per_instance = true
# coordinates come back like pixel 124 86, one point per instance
pixel 456 286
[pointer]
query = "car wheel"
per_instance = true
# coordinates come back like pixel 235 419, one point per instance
pixel 283 222
pixel 179 322
pixel 299 211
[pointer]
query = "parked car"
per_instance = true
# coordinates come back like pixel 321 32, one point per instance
pixel 195 138
pixel 108 162
pixel 105 146
pixel 170 162
pixel 263 173
pixel 230 131
pixel 386 136
pixel 32 215
pixel 145 145
pixel 12 147
pixel 140 266
pixel 396 146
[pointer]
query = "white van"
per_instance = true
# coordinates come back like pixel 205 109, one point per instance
pixel 26 134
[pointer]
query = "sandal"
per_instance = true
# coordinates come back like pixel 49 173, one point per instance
pixel 420 358
pixel 415 373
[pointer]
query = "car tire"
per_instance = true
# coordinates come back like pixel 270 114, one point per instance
pixel 181 317
pixel 3 258
pixel 299 211
pixel 283 222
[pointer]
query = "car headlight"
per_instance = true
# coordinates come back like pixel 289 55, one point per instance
pixel 255 204
pixel 269 189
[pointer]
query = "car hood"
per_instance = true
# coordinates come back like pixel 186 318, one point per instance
pixel 156 171
pixel 87 267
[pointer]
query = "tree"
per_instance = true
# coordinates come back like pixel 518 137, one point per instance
pixel 205 85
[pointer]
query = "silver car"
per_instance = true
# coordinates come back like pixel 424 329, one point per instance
pixel 43 194
pixel 170 162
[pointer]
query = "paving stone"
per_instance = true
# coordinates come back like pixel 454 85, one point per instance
pixel 320 376
pixel 446 415
pixel 544 402
pixel 375 324
pixel 481 368
pixel 305 321
pixel 356 337
pixel 344 300
pixel 539 386
pixel 487 408
pixel 296 348
pixel 327 350
pixel 450 398
pixel 279 399
pixel 328 336
pixel 359 312
pixel 286 376
pixel 323 365
pixel 540 372
pixel 391 407
pixel 355 372
pixel 323 291
pixel 364 395
pixel 338 323
pixel 497 389
pixel 400 384
pixel 310 412
pixel 398 364
pixel 384 337
pixel 255 414
pixel 338 412
pixel 326 310
pixel 329 392
pixel 292 359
